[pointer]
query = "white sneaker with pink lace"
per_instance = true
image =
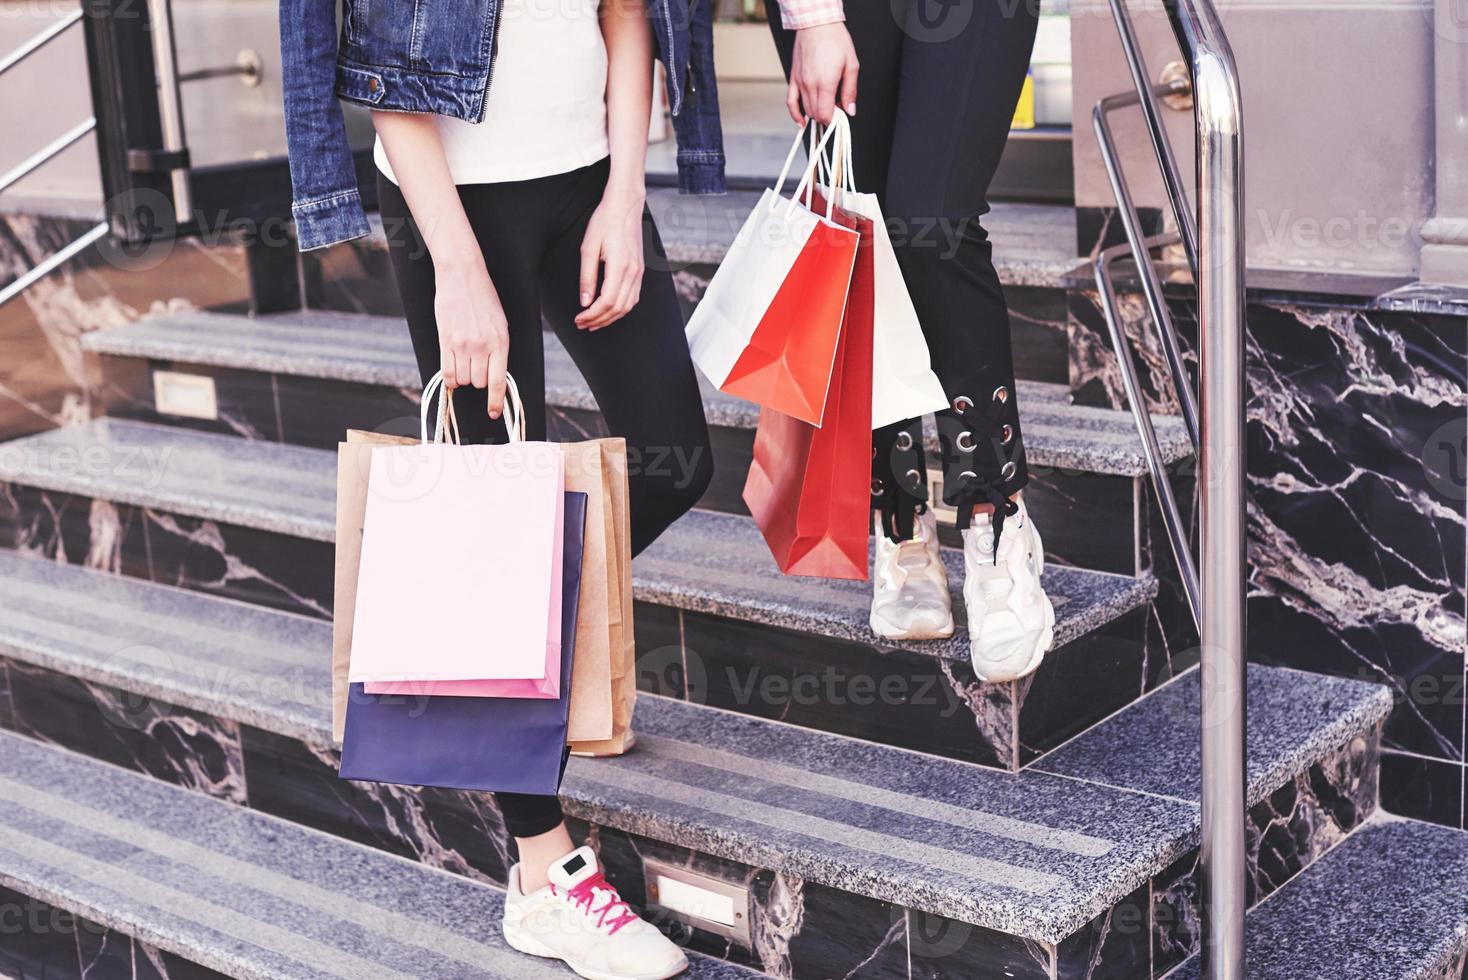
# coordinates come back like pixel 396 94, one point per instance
pixel 581 920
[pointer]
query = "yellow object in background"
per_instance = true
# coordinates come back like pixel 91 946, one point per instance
pixel 1024 111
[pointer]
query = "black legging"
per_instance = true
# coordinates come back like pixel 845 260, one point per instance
pixel 938 84
pixel 638 368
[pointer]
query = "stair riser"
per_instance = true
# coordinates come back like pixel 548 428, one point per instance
pixel 900 698
pixel 43 941
pixel 1089 520
pixel 893 697
pixel 803 929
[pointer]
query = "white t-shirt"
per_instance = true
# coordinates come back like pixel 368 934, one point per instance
pixel 545 112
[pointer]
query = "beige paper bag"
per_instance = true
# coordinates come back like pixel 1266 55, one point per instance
pixel 623 642
pixel 597 468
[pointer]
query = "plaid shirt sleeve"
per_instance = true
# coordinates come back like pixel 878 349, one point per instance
pixel 795 14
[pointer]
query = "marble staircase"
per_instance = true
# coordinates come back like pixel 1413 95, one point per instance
pixel 167 777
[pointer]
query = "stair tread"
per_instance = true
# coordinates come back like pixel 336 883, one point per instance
pixel 239 891
pixel 375 350
pixel 1388 903
pixel 707 562
pixel 1035 854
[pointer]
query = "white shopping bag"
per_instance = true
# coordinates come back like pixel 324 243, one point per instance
pixel 768 325
pixel 903 383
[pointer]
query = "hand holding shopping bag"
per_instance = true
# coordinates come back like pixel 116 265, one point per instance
pixel 459 558
pixel 767 327
pixel 808 487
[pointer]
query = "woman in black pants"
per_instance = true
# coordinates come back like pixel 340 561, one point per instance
pixel 539 211
pixel 939 81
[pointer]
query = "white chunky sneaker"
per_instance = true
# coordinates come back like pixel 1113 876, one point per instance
pixel 910 598
pixel 1011 622
pixel 581 920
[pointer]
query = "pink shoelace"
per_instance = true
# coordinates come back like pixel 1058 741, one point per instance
pixel 585 893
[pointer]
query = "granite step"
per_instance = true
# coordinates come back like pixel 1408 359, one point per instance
pixel 240 892
pixel 1387 904
pixel 848 846
pixel 303 378
pixel 716 621
pixel 374 350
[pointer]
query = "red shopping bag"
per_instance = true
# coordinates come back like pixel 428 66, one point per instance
pixel 767 327
pixel 788 361
pixel 809 488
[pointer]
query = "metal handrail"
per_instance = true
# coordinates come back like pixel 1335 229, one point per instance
pixel 39 41
pixel 59 258
pixel 1151 449
pixel 1216 255
pixel 1132 223
pixel 1146 95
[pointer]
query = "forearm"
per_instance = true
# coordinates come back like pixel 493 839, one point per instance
pixel 629 92
pixel 415 150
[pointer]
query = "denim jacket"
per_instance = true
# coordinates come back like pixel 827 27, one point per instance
pixel 438 56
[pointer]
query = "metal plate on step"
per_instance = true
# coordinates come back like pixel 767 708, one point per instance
pixel 188 395
pixel 705 903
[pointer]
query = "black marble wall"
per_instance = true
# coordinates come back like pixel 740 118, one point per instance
pixel 1357 508
pixel 44 377
pixel 42 942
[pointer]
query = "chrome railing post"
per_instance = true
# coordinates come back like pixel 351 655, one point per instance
pixel 170 102
pixel 1217 110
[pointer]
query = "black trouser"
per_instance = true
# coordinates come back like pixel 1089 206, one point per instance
pixel 638 368
pixel 938 84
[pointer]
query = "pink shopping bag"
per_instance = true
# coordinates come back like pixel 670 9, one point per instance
pixel 459 577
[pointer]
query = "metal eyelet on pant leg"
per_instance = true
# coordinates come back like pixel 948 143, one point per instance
pixel 877 488
pixel 1007 471
pixel 904 441
pixel 962 404
pixel 1001 394
pixel 1006 435
pixel 965 442
pixel 914 480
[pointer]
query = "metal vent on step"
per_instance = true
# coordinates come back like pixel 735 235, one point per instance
pixel 703 902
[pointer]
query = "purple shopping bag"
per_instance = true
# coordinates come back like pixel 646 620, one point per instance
pixel 499 744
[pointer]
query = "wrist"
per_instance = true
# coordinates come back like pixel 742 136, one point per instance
pixel 626 190
pixel 455 256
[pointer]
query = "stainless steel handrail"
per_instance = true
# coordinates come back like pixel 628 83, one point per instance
pixel 1132 224
pixel 1172 520
pixel 39 41
pixel 56 259
pixel 170 102
pixel 1146 95
pixel 1217 260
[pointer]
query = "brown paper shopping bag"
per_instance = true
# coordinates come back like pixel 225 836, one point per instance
pixel 353 466
pixel 623 667
pixel 603 630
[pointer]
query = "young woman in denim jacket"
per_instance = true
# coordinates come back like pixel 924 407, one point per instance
pixel 939 81
pixel 511 142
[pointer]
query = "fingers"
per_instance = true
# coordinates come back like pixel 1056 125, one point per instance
pixel 495 367
pixel 479 369
pixel 586 287
pixel 819 99
pixel 848 86
pixel 620 291
pixel 792 103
